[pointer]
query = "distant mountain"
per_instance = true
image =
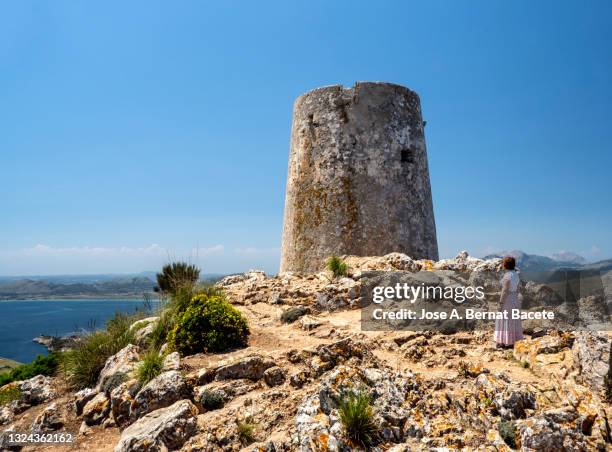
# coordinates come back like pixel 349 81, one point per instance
pixel 38 289
pixel 568 256
pixel 80 279
pixel 532 262
pixel 83 286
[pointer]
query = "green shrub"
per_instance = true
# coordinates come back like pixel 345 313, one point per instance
pixel 42 365
pixel 150 367
pixel 177 275
pixel 357 418
pixel 7 395
pixel 82 364
pixel 337 266
pixel 208 324
pixel 246 431
pixel 212 400
pixel 507 431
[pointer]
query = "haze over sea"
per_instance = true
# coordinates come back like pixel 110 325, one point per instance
pixel 23 320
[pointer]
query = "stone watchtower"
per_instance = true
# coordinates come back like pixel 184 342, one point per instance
pixel 358 179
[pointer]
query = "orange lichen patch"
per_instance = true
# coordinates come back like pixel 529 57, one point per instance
pixel 322 442
pixel 426 265
pixel 443 428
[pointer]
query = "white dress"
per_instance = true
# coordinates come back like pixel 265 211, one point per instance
pixel 508 331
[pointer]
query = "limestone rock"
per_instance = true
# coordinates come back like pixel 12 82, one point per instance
pixel 121 399
pixel 163 429
pixel 293 313
pixel 592 361
pixel 299 379
pixel 309 322
pixel 118 368
pixel 37 390
pixel 143 328
pixel 96 410
pixel 82 397
pixel 274 376
pixel 162 391
pixel 514 403
pixel 48 420
pixel 541 434
pixel 251 367
pixel 172 362
pixel 6 415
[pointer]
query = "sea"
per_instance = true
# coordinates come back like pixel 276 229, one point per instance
pixel 23 320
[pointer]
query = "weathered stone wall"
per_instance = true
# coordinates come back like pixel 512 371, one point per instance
pixel 358 179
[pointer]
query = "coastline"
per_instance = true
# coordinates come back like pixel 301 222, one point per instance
pixel 7 364
pixel 134 297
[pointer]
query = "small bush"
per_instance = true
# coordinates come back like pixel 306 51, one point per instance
pixel 209 324
pixel 357 418
pixel 177 275
pixel 42 365
pixel 507 431
pixel 212 400
pixel 246 431
pixel 337 266
pixel 7 395
pixel 82 365
pixel 150 367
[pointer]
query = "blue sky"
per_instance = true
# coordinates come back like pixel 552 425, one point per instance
pixel 135 132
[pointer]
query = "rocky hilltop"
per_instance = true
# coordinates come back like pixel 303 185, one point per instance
pixel 429 390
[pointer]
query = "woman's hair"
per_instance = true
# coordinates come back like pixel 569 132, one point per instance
pixel 509 263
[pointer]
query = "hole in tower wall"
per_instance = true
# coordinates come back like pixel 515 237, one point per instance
pixel 406 156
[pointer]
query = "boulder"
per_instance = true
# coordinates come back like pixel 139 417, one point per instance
pixel 592 361
pixel 96 410
pixel 121 399
pixel 293 313
pixel 309 322
pixel 144 328
pixel 342 350
pixel 172 362
pixel 512 404
pixel 36 390
pixel 163 429
pixel 542 434
pixel 251 367
pixel 118 368
pixel 48 420
pixel 6 415
pixel 162 391
pixel 81 398
pixel 274 376
pixel 298 379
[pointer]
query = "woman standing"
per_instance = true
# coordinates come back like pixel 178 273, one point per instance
pixel 508 330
